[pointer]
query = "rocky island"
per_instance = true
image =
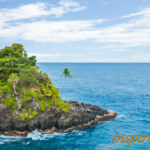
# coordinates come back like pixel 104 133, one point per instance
pixel 29 100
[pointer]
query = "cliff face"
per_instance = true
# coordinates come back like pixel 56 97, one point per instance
pixel 81 116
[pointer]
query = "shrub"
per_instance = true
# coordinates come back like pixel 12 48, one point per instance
pixel 23 116
pixel 43 105
pixel 11 103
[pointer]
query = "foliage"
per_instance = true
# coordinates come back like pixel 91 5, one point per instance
pixel 46 91
pixel 64 106
pixel 28 114
pixel 42 105
pixel 55 93
pixel 19 75
pixel 23 116
pixel 32 94
pixel 11 103
pixel 13 79
pixel 33 114
pixel 66 73
pixel 29 76
pixel 12 59
pixel 23 101
pixel 5 89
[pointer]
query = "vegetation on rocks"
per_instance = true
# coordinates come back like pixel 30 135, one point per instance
pixel 19 76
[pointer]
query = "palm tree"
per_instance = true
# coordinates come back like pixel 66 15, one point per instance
pixel 66 73
pixel 13 79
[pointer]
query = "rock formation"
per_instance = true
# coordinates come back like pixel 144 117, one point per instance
pixel 81 116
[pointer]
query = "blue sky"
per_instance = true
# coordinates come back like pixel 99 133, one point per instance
pixel 79 30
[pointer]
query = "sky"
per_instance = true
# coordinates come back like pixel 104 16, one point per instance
pixel 78 30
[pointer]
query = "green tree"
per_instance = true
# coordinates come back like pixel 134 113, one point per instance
pixel 66 73
pixel 7 66
pixel 13 59
pixel 13 79
pixel 29 76
pixel 16 50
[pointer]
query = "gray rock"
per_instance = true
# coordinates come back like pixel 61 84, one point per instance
pixel 51 120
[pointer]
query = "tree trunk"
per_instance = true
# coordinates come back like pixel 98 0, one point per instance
pixel 63 87
pixel 14 88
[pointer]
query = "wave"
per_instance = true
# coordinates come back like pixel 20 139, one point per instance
pixel 35 135
pixel 120 116
pixel 8 139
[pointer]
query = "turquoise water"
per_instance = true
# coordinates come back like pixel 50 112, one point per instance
pixel 124 88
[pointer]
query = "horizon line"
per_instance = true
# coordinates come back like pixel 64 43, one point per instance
pixel 94 62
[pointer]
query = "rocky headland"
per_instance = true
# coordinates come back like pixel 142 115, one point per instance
pixel 81 116
pixel 29 100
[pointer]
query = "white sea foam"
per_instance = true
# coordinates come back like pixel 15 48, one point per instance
pixel 120 116
pixel 35 135
pixel 8 139
pixel 78 132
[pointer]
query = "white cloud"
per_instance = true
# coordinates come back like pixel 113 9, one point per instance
pixel 68 4
pixel 43 55
pixel 104 3
pixel 145 12
pixel 49 31
pixel 135 32
pixel 38 55
pixel 38 10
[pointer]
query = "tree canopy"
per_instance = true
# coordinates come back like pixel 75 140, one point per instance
pixel 12 59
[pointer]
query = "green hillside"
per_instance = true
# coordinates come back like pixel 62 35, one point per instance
pixel 20 77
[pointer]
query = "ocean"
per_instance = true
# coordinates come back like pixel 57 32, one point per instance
pixel 120 87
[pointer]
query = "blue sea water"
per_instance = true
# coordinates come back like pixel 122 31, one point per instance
pixel 120 87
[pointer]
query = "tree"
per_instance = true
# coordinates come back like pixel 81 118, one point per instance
pixel 13 79
pixel 7 66
pixel 66 73
pixel 13 59
pixel 29 76
pixel 16 50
